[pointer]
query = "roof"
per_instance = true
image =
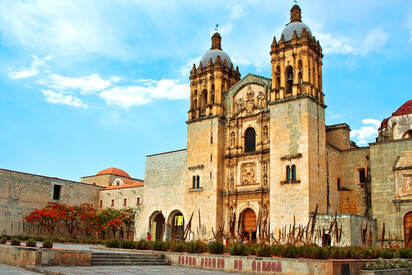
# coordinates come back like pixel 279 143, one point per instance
pixel 405 109
pixel 292 27
pixel 127 183
pixel 114 171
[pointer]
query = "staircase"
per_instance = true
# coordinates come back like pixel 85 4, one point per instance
pixel 103 258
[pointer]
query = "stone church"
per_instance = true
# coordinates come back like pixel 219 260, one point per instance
pixel 260 155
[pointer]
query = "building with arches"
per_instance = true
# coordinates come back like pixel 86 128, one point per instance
pixel 259 154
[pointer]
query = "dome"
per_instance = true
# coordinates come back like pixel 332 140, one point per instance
pixel 405 109
pixel 214 54
pixel 114 171
pixel 294 26
pixel 215 51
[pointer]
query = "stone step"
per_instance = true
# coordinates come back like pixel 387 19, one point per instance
pixel 132 263
pixel 127 256
pixel 105 258
pixel 127 260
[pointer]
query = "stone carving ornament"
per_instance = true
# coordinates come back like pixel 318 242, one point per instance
pixel 248 174
pixel 407 183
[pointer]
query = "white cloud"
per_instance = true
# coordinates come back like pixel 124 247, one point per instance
pixel 374 42
pixel 59 98
pixel 145 92
pixel 33 70
pixel 185 69
pixel 85 84
pixel 331 45
pixel 366 133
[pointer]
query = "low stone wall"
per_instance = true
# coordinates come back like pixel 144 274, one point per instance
pixel 28 256
pixel 265 265
pixel 402 271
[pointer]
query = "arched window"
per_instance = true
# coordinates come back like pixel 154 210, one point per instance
pixel 408 134
pixel 300 79
pixel 203 102
pixel 288 173
pixel 232 139
pixel 194 182
pixel 198 182
pixel 289 79
pixel 277 77
pixel 293 172
pixel 213 94
pixel 265 180
pixel 250 140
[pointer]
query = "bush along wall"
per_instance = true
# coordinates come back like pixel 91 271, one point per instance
pixel 283 251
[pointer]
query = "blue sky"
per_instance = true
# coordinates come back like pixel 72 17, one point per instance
pixel 86 85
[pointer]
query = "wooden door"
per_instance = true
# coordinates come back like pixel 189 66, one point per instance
pixel 407 227
pixel 249 224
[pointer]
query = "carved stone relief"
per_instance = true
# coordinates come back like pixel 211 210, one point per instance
pixel 248 173
pixel 249 99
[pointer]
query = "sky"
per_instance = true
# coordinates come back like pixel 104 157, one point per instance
pixel 91 84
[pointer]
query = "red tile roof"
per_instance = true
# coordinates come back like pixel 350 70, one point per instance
pixel 405 109
pixel 114 171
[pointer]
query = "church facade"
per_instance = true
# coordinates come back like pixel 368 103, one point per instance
pixel 259 154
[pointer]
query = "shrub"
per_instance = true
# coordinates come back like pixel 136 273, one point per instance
pixel 160 245
pixel 263 251
pixel 3 240
pixel 278 250
pixel 239 249
pixel 253 249
pixel 142 244
pixel 7 237
pixel 47 243
pixel 31 243
pixel 38 238
pixel 127 244
pixel 405 253
pixel 112 243
pixel 15 241
pixel 195 247
pixel 216 247
pixel 177 246
pixel 22 237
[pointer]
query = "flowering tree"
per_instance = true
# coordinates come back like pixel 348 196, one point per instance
pixel 48 217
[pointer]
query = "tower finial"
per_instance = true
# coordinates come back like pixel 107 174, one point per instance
pixel 217 28
pixel 216 41
pixel 295 13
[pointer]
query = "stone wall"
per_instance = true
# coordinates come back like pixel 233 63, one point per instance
pixel 119 195
pixel 164 190
pixel 21 193
pixel 334 175
pixel 338 135
pixel 385 205
pixel 351 228
pixel 353 196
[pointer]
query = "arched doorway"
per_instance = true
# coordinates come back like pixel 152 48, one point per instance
pixel 248 220
pixel 157 225
pixel 176 222
pixel 407 229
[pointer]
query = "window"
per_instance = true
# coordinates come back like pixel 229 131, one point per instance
pixel 101 203
pixel 293 172
pixel 112 203
pixel 194 182
pixel 124 202
pixel 198 182
pixel 362 175
pixel 56 192
pixel 250 140
pixel 265 180
pixel 138 200
pixel 288 173
pixel 338 182
pixel 408 134
pixel 289 79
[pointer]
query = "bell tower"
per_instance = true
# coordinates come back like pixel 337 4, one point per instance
pixel 297 126
pixel 213 77
pixel 296 61
pixel 206 136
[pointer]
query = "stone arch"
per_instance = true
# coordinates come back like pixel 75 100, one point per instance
pixel 407 229
pixel 407 134
pixel 176 223
pixel 289 76
pixel 157 225
pixel 248 226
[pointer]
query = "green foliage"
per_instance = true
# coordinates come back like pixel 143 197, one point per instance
pixel 3 240
pixel 112 243
pixel 264 251
pixel 47 243
pixel 15 241
pixel 405 253
pixel 216 247
pixel 7 237
pixel 31 243
pixel 142 245
pixel 195 247
pixel 177 246
pixel 22 237
pixel 160 245
pixel 387 264
pixel 239 249
pixel 127 244
pixel 253 249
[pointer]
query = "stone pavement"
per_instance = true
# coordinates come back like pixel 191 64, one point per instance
pixel 14 270
pixel 123 270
